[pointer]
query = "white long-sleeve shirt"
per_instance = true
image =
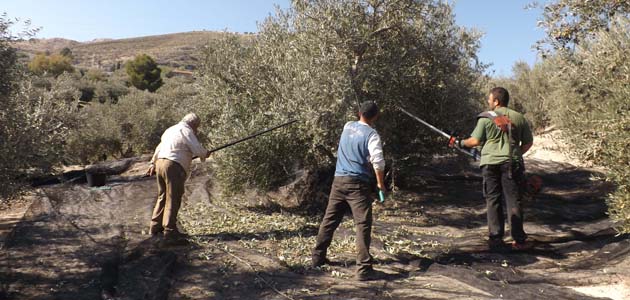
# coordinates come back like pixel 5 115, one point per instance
pixel 180 144
pixel 375 147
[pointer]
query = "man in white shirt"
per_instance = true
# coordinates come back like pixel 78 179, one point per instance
pixel 171 163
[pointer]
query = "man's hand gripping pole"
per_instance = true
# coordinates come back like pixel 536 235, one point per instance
pixel 454 142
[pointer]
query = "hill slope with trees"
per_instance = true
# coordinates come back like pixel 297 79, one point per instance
pixel 176 49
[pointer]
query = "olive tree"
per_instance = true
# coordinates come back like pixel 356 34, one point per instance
pixel 595 95
pixel 531 90
pixel 589 42
pixel 316 61
pixel 569 22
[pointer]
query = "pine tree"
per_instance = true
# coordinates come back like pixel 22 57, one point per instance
pixel 144 73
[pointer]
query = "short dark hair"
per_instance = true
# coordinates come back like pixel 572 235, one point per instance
pixel 368 109
pixel 501 94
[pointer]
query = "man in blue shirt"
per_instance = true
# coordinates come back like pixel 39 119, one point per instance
pixel 359 161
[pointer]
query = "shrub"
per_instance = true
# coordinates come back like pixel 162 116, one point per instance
pixel 110 91
pixel 55 64
pixel 582 86
pixel 87 89
pixel 95 75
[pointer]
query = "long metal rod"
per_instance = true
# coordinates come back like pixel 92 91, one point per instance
pixel 470 152
pixel 251 136
pixel 446 135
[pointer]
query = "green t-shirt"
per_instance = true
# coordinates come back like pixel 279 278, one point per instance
pixel 496 144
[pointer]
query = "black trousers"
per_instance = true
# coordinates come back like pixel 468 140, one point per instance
pixel 503 194
pixel 354 194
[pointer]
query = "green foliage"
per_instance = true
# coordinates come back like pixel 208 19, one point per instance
pixel 55 64
pixel 9 79
pixel 33 126
pixel 144 73
pixel 598 110
pixel 32 121
pixel 531 91
pixel 39 64
pixel 110 91
pixel 131 126
pixel 582 86
pixel 99 86
pixel 316 62
pixel 570 22
pixel 9 73
pixel 585 92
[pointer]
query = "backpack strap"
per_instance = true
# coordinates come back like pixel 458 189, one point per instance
pixel 489 114
pixel 504 124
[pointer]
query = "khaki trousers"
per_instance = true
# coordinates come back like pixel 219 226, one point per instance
pixel 347 193
pixel 170 179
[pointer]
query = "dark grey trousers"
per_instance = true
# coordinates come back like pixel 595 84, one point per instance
pixel 502 193
pixel 354 194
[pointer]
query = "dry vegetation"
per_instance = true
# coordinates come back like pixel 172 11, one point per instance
pixel 177 49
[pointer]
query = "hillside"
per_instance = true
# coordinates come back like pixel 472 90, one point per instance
pixel 176 49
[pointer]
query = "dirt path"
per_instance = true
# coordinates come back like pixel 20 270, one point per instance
pixel 74 242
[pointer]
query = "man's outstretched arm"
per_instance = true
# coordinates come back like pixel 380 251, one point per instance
pixel 471 142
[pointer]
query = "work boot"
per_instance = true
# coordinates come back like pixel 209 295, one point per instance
pixel 371 274
pixel 316 263
pixel 156 230
pixel 175 238
pixel 496 244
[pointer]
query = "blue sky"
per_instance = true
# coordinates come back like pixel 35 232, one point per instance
pixel 509 29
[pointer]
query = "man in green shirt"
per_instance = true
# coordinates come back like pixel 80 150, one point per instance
pixel 501 170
